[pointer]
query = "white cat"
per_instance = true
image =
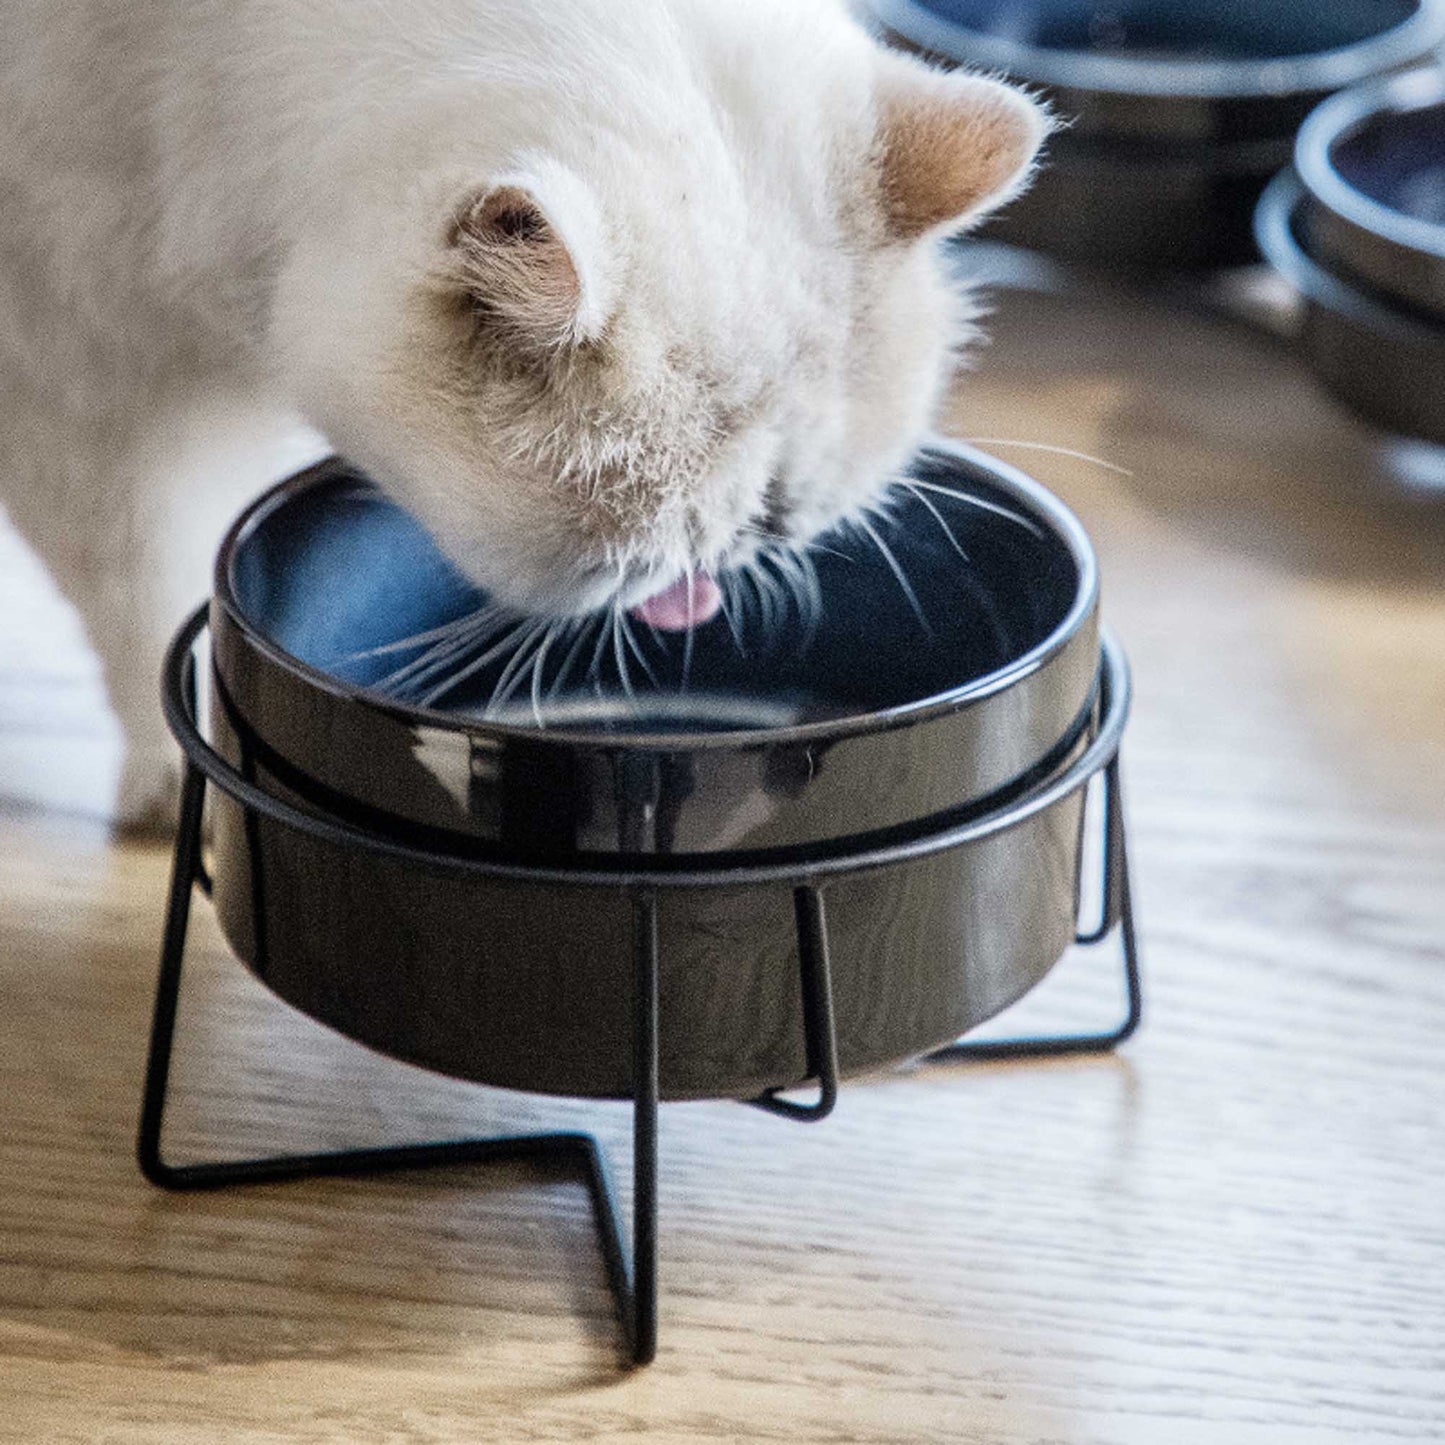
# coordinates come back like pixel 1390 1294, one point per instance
pixel 600 289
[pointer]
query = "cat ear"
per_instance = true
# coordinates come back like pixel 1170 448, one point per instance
pixel 952 146
pixel 527 251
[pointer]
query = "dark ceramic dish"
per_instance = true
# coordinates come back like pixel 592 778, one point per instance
pixel 1385 363
pixel 1179 113
pixel 512 966
pixel 1372 161
pixel 873 718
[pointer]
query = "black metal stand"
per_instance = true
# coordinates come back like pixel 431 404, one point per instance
pixel 1117 912
pixel 631 1272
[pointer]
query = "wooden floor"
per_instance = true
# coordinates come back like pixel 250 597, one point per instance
pixel 1231 1234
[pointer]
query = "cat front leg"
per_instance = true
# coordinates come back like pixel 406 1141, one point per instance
pixel 127 512
pixel 196 463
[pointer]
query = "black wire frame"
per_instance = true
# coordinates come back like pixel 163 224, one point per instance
pixel 631 1266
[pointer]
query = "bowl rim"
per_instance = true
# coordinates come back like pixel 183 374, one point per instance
pixel 1113 686
pixel 1036 499
pixel 1274 229
pixel 1265 79
pixel 1343 116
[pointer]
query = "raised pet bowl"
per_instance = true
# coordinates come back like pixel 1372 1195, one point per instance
pixel 894 723
pixel 891 702
pixel 831 851
pixel 1179 113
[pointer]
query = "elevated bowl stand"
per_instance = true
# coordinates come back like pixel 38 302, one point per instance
pixel 631 1265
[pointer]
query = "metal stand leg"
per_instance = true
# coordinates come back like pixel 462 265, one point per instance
pixel 819 1033
pixel 641 1317
pixel 1117 912
pixel 632 1275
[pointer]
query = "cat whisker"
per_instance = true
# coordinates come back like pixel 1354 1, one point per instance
pixel 690 637
pixel 800 574
pixel 442 633
pixel 772 575
pixel 748 594
pixel 421 671
pixel 424 670
pixel 964 499
pixel 432 660
pixel 619 653
pixel 765 610
pixel 636 648
pixel 896 568
pixel 772 595
pixel 581 626
pixel 826 551
pixel 518 645
pixel 729 605
pixel 594 671
pixel 1048 447
pixel 440 656
pixel 516 669
pixel 809 571
pixel 476 664
pixel 538 667
pixel 938 517
pixel 805 574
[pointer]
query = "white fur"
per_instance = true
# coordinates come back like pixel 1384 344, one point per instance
pixel 223 216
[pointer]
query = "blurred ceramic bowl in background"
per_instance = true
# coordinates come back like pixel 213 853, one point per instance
pixel 1372 161
pixel 1179 114
pixel 976 611
pixel 1384 362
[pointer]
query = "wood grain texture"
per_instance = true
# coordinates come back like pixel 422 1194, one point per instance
pixel 1233 1232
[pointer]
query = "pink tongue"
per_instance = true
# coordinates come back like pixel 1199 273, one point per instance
pixel 689 602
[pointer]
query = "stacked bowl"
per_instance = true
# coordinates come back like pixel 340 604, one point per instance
pixel 1177 114
pixel 1358 227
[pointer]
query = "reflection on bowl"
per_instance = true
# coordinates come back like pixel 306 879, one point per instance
pixel 1179 113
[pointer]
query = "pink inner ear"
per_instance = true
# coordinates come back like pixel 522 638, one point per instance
pixel 953 147
pixel 515 264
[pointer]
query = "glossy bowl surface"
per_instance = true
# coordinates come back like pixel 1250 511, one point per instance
pixel 1372 161
pixel 892 706
pixel 1385 363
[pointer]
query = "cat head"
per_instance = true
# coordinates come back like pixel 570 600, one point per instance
pixel 642 323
